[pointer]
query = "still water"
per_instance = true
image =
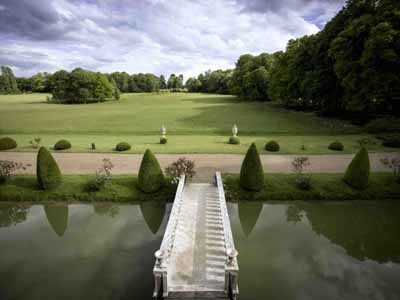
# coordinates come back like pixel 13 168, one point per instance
pixel 291 250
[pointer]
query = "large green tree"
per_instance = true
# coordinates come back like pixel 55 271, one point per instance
pixel 8 82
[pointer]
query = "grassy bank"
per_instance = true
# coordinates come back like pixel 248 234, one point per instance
pixel 121 189
pixel 211 144
pixel 196 123
pixel 324 187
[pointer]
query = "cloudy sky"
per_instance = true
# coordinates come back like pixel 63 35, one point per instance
pixel 157 36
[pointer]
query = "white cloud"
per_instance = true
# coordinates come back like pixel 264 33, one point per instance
pixel 155 36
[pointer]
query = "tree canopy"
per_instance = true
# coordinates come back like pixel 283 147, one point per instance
pixel 81 86
pixel 350 68
pixel 8 82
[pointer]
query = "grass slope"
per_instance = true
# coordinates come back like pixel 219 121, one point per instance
pixel 197 123
pixel 325 187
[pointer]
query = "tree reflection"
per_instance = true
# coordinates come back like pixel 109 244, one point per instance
pixel 12 214
pixel 153 213
pixel 106 209
pixel 249 212
pixel 365 231
pixel 293 214
pixel 57 216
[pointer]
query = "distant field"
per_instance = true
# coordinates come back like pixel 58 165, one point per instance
pixel 197 123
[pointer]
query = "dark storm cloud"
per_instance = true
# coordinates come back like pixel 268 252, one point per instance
pixel 31 19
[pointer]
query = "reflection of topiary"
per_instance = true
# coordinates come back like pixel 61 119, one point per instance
pixel 151 178
pixel 47 171
pixel 336 146
pixel 123 146
pixel 251 172
pixel 62 145
pixel 7 143
pixel 272 146
pixel 357 173
pixel 234 140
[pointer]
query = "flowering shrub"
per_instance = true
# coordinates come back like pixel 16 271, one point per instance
pixel 8 167
pixel 303 181
pixel 102 177
pixel 180 167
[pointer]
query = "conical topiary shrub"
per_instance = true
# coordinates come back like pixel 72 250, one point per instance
pixel 251 172
pixel 47 171
pixel 357 173
pixel 151 178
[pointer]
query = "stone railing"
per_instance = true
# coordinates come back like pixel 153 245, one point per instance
pixel 231 266
pixel 162 255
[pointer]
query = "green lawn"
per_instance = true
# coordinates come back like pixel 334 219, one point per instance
pixel 282 187
pixel 197 123
pixel 122 188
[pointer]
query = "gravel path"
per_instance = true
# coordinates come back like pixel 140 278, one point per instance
pixel 206 164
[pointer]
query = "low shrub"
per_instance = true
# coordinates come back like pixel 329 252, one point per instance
pixel 303 182
pixel 151 178
pixel 251 171
pixel 47 172
pixel 163 140
pixel 234 140
pixel 102 177
pixel 272 146
pixel 123 146
pixel 392 141
pixel 7 143
pixel 7 169
pixel 62 145
pixel 93 146
pixel 336 146
pixel 357 173
pixel 180 167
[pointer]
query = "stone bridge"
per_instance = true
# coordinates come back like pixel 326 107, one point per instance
pixel 197 257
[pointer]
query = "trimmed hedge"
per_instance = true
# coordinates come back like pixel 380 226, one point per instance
pixel 357 173
pixel 272 146
pixel 123 146
pixel 252 172
pixel 163 140
pixel 47 172
pixel 151 178
pixel 7 143
pixel 234 140
pixel 336 146
pixel 62 145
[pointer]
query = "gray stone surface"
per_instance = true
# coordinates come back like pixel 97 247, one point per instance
pixel 197 263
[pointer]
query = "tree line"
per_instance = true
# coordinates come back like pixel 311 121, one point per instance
pixel 351 67
pixel 126 83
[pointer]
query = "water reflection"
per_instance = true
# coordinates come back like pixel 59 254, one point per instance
pixel 249 212
pixel 99 252
pixel 12 214
pixel 370 231
pixel 153 213
pixel 318 250
pixel 57 216
pixel 106 209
